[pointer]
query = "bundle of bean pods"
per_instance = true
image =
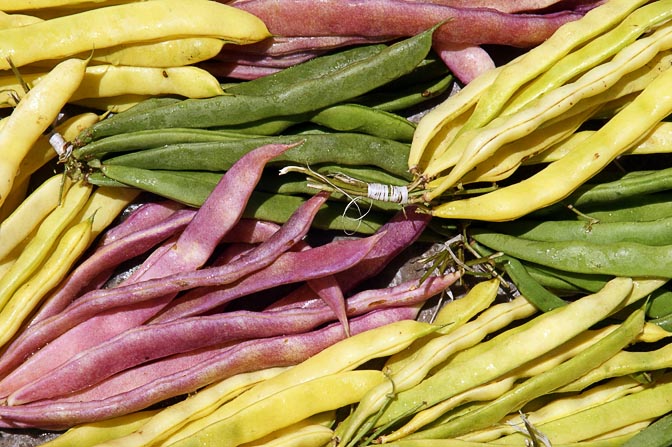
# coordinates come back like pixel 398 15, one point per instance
pixel 168 329
pixel 346 108
pixel 483 373
pixel 234 328
pixel 610 68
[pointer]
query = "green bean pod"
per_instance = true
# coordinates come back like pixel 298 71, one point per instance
pixel 316 68
pixel 408 97
pixel 526 284
pixel 660 303
pixel 337 86
pixel 574 282
pixel 144 139
pixel 618 259
pixel 192 190
pixel 348 149
pixel 640 189
pixel 658 434
pixel 366 120
pixel 654 232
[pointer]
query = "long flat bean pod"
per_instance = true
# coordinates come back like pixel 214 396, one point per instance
pixel 340 85
pixel 145 139
pixel 300 401
pixel 476 145
pixel 338 148
pixel 602 193
pixel 262 205
pixel 654 232
pixel 639 22
pixel 625 258
pixel 315 68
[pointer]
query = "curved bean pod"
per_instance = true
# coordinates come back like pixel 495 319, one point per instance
pixel 40 245
pixel 350 149
pixel 18 225
pixel 69 248
pixel 38 109
pixel 166 53
pixel 110 80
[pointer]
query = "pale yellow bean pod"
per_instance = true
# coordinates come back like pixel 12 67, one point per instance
pixel 124 24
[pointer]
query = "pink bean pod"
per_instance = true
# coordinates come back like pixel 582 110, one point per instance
pixel 53 341
pixel 205 369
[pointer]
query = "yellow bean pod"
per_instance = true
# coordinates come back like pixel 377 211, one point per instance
pixel 27 5
pixel 16 196
pixel 559 407
pixel 439 126
pixel 477 145
pixel 297 403
pixel 28 216
pixel 16 20
pixel 40 245
pixel 619 134
pixel 571 35
pixel 657 141
pixel 127 23
pixel 67 251
pixel 105 204
pixel 308 436
pixel 110 80
pixel 342 356
pixel 104 81
pixel 167 53
pixel 511 155
pixel 94 433
pixel 460 311
pixel 303 433
pixel 171 419
pixel 639 22
pixel 652 401
pixel 495 389
pixel 411 369
pixel 33 116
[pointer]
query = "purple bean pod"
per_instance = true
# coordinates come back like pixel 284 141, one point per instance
pixel 146 343
pixel 84 317
pixel 107 257
pixel 144 216
pixel 242 357
pixel 400 232
pixel 290 267
pixel 402 18
pixel 219 213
